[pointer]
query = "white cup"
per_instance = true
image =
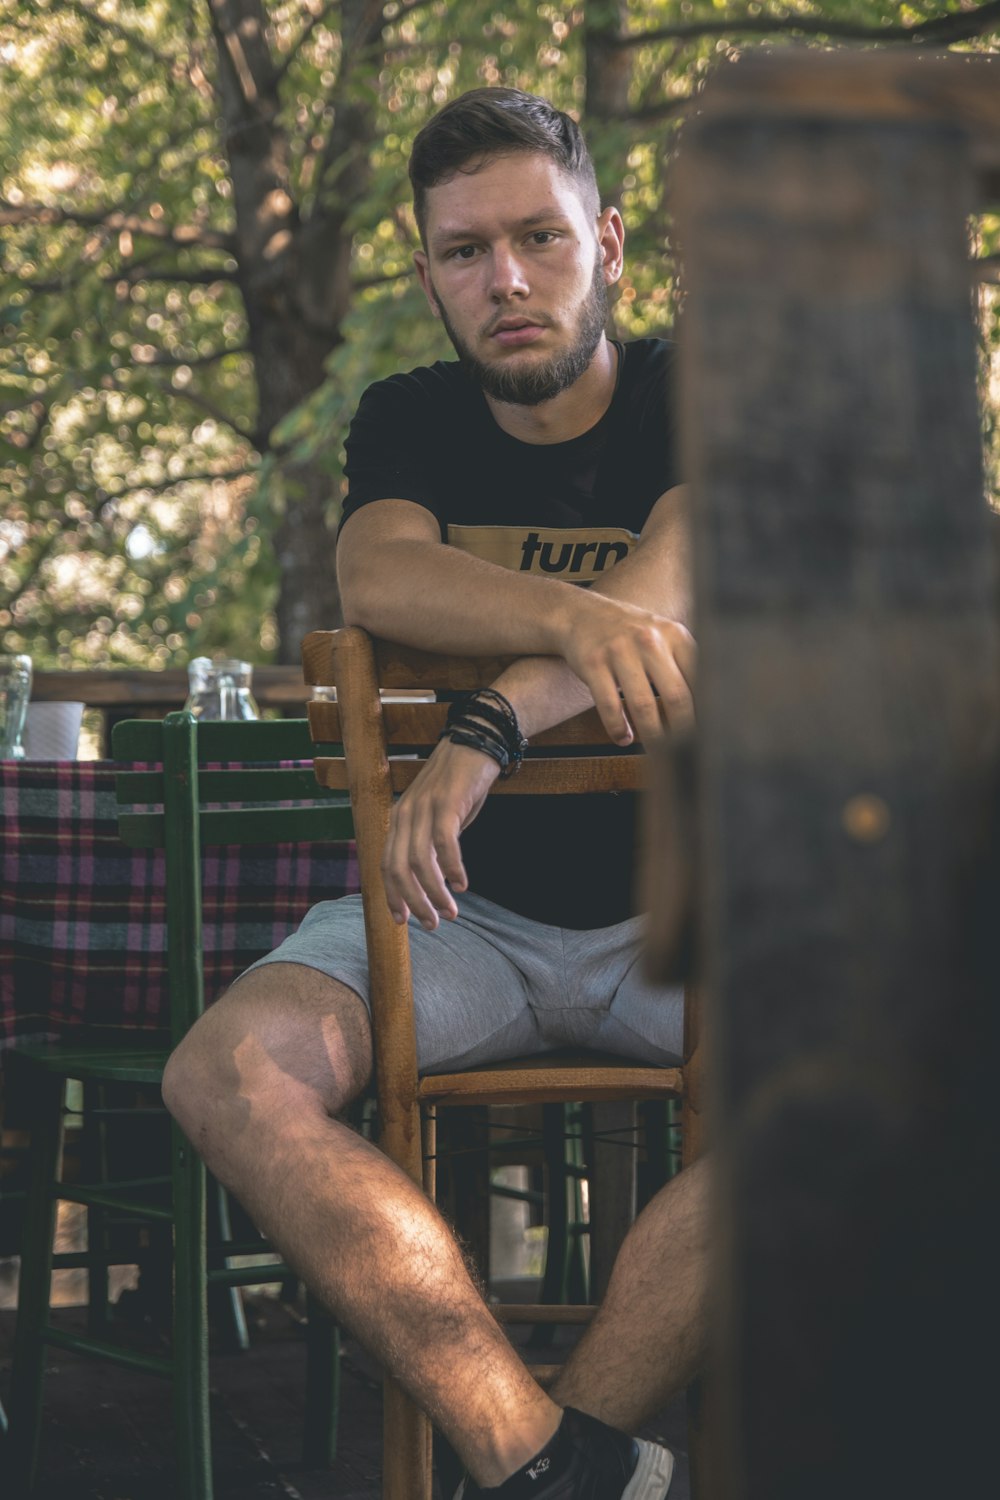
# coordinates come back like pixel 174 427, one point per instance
pixel 52 730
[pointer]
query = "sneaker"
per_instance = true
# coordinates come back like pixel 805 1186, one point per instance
pixel 602 1464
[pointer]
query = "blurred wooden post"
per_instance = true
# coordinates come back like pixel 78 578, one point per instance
pixel 847 754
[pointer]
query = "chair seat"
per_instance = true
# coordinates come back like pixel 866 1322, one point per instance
pixel 553 1078
pixel 113 1064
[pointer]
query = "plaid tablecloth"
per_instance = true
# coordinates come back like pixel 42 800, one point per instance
pixel 83 919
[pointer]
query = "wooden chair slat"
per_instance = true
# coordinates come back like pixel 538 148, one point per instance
pixel 258 740
pixel 540 1312
pixel 557 777
pixel 402 667
pixel 137 739
pixel 422 723
pixel 550 1085
pixel 133 787
pixel 260 785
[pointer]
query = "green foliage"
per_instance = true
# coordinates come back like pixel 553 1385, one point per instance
pixel 139 501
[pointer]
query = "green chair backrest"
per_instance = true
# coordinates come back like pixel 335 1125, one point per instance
pixel 215 783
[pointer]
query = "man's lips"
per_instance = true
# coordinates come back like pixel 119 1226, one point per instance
pixel 512 335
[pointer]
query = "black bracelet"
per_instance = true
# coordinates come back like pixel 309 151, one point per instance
pixel 474 741
pixel 485 710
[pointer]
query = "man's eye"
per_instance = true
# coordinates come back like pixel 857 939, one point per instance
pixel 463 252
pixel 543 236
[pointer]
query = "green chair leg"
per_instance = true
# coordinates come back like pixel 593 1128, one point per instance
pixel 225 1302
pixel 95 1169
pixel 22 1442
pixel 190 1323
pixel 319 1435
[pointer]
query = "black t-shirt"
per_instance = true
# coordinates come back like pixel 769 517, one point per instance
pixel 566 510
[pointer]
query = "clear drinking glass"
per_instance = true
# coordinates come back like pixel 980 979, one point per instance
pixel 15 693
pixel 221 689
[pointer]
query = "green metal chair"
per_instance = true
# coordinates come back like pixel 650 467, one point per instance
pixel 182 807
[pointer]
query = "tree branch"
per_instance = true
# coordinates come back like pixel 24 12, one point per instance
pixel 365 282
pixel 157 487
pixel 176 361
pixel 203 403
pixel 204 277
pixel 940 31
pixel 239 27
pixel 116 220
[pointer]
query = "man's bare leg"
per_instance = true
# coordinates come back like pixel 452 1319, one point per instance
pixel 254 1086
pixel 647 1340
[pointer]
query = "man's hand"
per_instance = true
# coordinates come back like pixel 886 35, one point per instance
pixel 422 862
pixel 623 652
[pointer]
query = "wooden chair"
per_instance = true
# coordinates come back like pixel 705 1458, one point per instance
pixel 179 806
pixel 371 732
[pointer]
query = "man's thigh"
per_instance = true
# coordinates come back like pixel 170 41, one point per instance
pixel 471 981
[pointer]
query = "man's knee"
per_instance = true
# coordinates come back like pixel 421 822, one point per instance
pixel 283 1036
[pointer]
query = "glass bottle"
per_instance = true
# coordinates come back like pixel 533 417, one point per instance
pixel 15 691
pixel 221 689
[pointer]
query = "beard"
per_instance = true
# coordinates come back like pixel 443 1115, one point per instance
pixel 540 380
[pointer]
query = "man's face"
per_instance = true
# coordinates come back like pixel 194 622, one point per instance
pixel 518 272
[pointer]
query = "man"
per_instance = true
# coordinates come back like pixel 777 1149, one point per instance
pixel 481 492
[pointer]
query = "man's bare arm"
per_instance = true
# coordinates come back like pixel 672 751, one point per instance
pixel 655 576
pixel 399 581
pixel 423 864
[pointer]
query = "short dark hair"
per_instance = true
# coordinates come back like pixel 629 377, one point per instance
pixel 483 124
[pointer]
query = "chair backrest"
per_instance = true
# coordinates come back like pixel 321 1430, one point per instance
pixel 575 757
pixel 215 783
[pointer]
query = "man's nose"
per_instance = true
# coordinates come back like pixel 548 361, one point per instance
pixel 508 278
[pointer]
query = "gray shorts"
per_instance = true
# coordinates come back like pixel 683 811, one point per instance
pixel 493 985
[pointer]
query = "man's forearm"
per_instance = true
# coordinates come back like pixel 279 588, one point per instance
pixel 544 690
pixel 399 582
pixel 440 599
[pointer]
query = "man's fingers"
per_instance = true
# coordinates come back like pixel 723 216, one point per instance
pixel 603 687
pixel 424 873
pixel 449 858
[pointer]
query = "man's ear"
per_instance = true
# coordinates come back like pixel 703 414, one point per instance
pixel 611 238
pixel 424 273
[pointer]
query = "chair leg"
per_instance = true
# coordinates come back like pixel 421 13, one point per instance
pixel 319 1433
pixel 226 1302
pixel 406 1447
pixel 555 1278
pixel 28 1371
pixel 95 1169
pixel 469 1178
pixel 190 1323
pixel 612 1161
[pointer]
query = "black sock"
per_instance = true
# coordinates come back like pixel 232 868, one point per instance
pixel 533 1478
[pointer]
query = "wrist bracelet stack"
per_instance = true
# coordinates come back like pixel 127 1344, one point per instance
pixel 485 721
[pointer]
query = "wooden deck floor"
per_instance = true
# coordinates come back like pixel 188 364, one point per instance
pixel 108 1431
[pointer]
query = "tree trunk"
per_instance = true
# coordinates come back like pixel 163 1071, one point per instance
pixel 608 71
pixel 294 278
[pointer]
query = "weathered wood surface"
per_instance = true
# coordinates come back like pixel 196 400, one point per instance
pixel 558 777
pixel 960 89
pixel 113 687
pixel 848 738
